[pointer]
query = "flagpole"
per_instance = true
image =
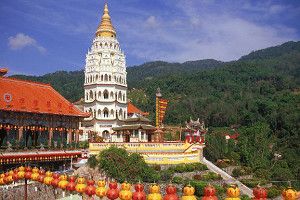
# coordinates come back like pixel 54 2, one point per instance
pixel 158 96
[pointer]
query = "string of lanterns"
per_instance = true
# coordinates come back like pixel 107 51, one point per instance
pixel 9 127
pixel 83 186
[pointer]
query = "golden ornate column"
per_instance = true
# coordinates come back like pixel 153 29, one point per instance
pixel 20 133
pixel 50 137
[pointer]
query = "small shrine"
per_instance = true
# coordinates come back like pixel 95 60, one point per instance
pixel 195 131
pixel 135 129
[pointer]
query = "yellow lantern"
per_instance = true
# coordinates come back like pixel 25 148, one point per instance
pixel 101 183
pixel 11 172
pixel 21 174
pixel 48 179
pixel 154 188
pixel 101 190
pixel 154 192
pixel 35 170
pixel 35 176
pixel 80 186
pixel 289 194
pixel 188 193
pixel 63 181
pixel 125 193
pixel 233 193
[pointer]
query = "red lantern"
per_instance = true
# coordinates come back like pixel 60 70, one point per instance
pixel 55 180
pixel 113 192
pixel 28 169
pixel 8 179
pixel 90 190
pixel 209 191
pixel 71 185
pixel 259 193
pixel 15 177
pixel 139 193
pixel 42 171
pixel 72 178
pixel 41 178
pixel 28 174
pixel 171 193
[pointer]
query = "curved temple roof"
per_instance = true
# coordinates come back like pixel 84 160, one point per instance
pixel 26 96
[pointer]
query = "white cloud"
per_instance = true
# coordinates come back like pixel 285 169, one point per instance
pixel 21 41
pixel 200 33
pixel 151 22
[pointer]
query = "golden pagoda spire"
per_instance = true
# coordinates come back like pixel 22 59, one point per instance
pixel 106 28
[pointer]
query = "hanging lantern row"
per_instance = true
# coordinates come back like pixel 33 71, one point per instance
pixel 82 186
pixel 9 127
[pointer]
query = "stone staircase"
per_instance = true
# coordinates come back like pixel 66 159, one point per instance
pixel 227 178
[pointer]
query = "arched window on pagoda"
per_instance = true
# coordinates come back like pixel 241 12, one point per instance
pixel 120 112
pixel 91 94
pixel 105 94
pixel 99 113
pixel 102 77
pixel 120 96
pixel 97 77
pixel 87 96
pixel 111 95
pixel 105 113
pixel 112 112
pixel 116 96
pixel 123 97
pixel 99 94
pixel 105 77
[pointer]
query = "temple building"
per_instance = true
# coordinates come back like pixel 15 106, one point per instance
pixel 105 83
pixel 35 116
pixel 114 119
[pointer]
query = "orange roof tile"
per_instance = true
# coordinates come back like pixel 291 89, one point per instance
pixel 26 96
pixel 131 109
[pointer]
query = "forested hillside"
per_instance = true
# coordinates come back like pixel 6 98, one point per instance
pixel 259 94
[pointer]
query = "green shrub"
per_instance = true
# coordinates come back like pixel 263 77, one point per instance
pixel 241 171
pixel 118 164
pixel 156 167
pixel 181 168
pixel 253 182
pixel 199 186
pixel 166 175
pixel 92 161
pixel 245 197
pixel 273 192
pixel 197 177
pixel 211 176
pixel 200 166
pixel 178 180
pixel 262 173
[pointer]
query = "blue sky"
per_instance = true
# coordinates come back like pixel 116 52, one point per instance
pixel 42 36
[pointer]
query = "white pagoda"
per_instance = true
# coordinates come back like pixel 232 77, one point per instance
pixel 105 85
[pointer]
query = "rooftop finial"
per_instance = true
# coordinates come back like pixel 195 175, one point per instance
pixel 106 29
